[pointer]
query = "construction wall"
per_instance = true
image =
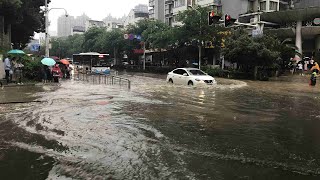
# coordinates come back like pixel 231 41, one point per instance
pixel 5 44
pixel 2 73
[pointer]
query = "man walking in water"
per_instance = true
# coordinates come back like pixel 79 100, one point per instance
pixel 7 68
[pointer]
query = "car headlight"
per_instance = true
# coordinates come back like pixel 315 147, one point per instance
pixel 197 79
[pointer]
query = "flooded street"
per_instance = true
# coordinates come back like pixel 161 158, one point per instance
pixel 236 130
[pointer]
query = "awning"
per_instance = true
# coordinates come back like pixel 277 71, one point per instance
pixel 292 15
pixel 306 31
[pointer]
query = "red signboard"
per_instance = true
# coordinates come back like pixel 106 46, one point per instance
pixel 138 51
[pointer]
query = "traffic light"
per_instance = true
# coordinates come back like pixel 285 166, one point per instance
pixel 228 21
pixel 213 18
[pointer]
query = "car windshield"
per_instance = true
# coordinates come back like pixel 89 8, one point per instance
pixel 197 72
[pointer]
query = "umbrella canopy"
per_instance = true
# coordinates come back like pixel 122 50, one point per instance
pixel 64 61
pixel 15 51
pixel 48 61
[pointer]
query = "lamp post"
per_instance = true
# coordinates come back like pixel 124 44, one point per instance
pixel 200 43
pixel 46 11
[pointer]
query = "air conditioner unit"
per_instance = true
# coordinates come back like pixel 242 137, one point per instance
pixel 253 20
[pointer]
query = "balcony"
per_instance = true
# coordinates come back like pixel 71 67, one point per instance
pixel 169 2
pixel 151 3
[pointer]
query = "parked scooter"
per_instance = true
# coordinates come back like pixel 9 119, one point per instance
pixel 56 76
pixel 56 73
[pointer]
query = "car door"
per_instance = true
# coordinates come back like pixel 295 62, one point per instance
pixel 176 76
pixel 184 77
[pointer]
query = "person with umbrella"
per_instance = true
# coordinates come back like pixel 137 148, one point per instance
pixel 17 53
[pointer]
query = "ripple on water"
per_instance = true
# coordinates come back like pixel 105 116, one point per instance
pixel 163 131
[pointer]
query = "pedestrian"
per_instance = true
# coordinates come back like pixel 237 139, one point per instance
pixel 300 68
pixel 313 79
pixel 306 64
pixel 8 69
pixel 315 68
pixel 45 70
pixel 49 74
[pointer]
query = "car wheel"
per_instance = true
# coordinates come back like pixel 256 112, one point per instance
pixel 190 83
pixel 170 81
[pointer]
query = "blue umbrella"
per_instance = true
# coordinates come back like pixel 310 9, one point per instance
pixel 48 61
pixel 15 51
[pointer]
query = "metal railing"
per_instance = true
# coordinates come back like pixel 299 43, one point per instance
pixel 103 79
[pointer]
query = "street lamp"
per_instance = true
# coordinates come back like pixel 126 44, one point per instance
pixel 200 43
pixel 46 11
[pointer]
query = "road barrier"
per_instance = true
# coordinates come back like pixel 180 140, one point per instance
pixel 103 79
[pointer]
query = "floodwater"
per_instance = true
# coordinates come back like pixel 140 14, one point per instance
pixel 237 130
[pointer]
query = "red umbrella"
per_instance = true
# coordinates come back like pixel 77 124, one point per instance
pixel 64 61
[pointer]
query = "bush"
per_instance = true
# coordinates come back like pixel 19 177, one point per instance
pixel 32 69
pixel 217 72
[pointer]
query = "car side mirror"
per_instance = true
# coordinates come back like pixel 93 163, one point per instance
pixel 185 74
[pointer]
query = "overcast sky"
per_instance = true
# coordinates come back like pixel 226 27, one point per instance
pixel 95 9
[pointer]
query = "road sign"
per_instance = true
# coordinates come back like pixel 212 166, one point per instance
pixel 131 37
pixel 257 33
pixel 35 47
pixel 316 21
pixel 126 36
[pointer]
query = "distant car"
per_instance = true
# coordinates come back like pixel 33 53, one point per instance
pixel 190 76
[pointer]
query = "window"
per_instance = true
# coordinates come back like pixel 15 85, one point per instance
pixel 263 6
pixel 178 3
pixel 197 72
pixel 273 6
pixel 250 6
pixel 179 71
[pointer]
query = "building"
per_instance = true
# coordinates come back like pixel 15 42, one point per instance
pixel 81 20
pixel 114 23
pixel 140 12
pixel 295 19
pixel 277 17
pixel 173 7
pixel 157 10
pixel 94 23
pixel 78 30
pixel 65 25
pixel 168 11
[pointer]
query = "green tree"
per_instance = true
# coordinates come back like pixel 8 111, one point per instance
pixel 25 18
pixel 91 37
pixel 195 26
pixel 250 53
pixel 66 47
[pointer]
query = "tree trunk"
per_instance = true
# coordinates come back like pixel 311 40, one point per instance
pixel 255 73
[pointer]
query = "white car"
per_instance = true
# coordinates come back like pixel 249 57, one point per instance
pixel 190 76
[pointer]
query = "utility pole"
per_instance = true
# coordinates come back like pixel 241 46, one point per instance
pixel 144 55
pixel 200 32
pixel 46 11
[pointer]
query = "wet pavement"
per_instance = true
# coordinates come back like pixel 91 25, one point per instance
pixel 236 130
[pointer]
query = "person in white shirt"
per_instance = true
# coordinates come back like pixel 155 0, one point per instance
pixel 300 67
pixel 7 68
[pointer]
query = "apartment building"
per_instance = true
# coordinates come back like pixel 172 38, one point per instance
pixel 138 13
pixel 114 23
pixel 94 23
pixel 156 10
pixel 65 25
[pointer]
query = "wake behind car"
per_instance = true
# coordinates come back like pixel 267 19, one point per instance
pixel 190 76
